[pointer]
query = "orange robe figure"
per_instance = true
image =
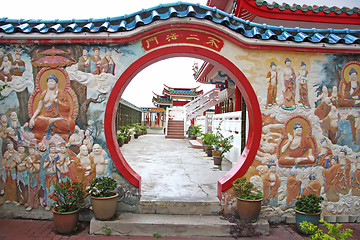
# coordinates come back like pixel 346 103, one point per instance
pixel 58 109
pixel 270 186
pixel 314 187
pixel 293 189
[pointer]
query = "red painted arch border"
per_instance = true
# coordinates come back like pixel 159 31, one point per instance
pixel 255 120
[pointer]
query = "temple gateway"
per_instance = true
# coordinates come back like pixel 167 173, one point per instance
pixel 285 76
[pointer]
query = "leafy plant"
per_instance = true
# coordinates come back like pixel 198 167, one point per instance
pixel 102 187
pixel 67 196
pixel 107 231
pixel 120 137
pixel 309 204
pixel 246 190
pixel 334 231
pixel 137 128
pixel 195 130
pixel 208 139
pixel 125 130
pixel 222 144
pixel 157 235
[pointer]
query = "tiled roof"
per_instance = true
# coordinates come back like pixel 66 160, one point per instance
pixel 191 92
pixel 163 100
pixel 306 8
pixel 181 10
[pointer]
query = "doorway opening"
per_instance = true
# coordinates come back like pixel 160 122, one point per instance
pixel 215 59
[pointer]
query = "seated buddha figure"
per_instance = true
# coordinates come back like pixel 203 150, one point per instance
pixel 52 115
pixel 297 150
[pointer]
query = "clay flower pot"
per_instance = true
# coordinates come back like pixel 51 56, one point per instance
pixel 249 209
pixel 104 207
pixel 65 222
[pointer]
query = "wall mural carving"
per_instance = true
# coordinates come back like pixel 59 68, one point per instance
pixel 53 100
pixel 311 131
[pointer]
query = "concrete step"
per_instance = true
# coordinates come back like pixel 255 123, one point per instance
pixel 195 144
pixel 179 208
pixel 165 225
pixel 177 136
pixel 129 224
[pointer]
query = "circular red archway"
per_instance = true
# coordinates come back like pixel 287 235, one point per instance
pixel 255 121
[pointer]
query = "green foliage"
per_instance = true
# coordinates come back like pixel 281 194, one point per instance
pixel 195 130
pixel 68 196
pixel 309 204
pixel 107 231
pixel 208 139
pixel 157 235
pixel 246 190
pixel 120 137
pixel 137 128
pixel 125 130
pixel 2 87
pixel 222 144
pixel 334 231
pixel 102 187
pixel 143 128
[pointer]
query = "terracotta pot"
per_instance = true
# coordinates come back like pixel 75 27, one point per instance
pixel 65 222
pixel 209 152
pixel 217 160
pixel 301 217
pixel 249 209
pixel 136 135
pixel 104 207
pixel 216 153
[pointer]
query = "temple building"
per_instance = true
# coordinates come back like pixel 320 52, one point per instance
pixel 173 97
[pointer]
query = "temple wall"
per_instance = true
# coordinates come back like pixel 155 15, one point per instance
pixel 309 108
pixel 310 129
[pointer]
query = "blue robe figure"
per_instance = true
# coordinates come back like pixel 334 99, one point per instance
pixel 346 137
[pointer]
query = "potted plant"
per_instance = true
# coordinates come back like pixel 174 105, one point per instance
pixel 208 140
pixel 120 139
pixel 144 130
pixel 103 199
pixel 137 130
pixel 68 197
pixel 222 145
pixel 308 208
pixel 194 131
pixel 125 132
pixel 248 199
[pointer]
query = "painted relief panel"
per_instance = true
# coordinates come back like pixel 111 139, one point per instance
pixel 52 105
pixel 311 133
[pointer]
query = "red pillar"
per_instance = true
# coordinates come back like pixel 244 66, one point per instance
pixel 237 99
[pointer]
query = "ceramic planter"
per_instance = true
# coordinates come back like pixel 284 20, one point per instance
pixel 249 209
pixel 65 222
pixel 301 217
pixel 209 152
pixel 104 207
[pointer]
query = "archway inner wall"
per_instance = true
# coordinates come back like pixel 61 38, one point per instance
pixel 301 92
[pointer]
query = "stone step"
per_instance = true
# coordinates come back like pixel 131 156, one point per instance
pixel 195 144
pixel 129 224
pixel 177 136
pixel 179 208
pixel 165 225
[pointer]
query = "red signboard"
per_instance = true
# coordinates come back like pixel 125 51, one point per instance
pixel 183 36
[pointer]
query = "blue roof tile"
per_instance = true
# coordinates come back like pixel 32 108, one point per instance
pixel 181 10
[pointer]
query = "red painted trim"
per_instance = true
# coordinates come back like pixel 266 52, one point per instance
pixel 298 15
pixel 169 27
pixel 237 100
pixel 214 58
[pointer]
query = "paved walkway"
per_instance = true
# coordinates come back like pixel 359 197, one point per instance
pixel 171 170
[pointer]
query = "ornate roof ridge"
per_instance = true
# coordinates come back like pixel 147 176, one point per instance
pixel 305 7
pixel 181 10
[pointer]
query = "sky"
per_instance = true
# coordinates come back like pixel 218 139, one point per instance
pixel 174 72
